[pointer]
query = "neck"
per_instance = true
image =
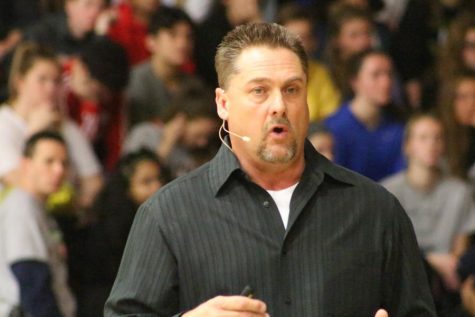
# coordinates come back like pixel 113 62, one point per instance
pixel 366 112
pixel 421 177
pixel 167 73
pixel 274 176
pixel 21 108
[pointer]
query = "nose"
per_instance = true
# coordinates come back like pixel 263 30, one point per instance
pixel 278 107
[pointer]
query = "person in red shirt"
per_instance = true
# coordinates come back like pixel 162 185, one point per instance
pixel 94 96
pixel 127 24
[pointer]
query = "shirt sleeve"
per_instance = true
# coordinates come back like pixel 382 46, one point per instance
pixel 405 287
pixel 147 282
pixel 36 295
pixel 23 238
pixel 467 221
pixel 82 155
pixel 11 152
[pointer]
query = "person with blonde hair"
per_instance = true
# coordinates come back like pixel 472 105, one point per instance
pixel 34 105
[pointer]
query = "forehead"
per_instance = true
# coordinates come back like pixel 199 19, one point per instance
pixel 376 60
pixel 262 62
pixel 49 148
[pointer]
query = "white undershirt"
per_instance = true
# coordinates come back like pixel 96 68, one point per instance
pixel 282 200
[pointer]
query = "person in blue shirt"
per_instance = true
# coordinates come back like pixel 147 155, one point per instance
pixel 367 135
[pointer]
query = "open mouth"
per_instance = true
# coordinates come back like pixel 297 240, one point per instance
pixel 279 131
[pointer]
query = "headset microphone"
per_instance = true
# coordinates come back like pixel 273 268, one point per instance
pixel 242 137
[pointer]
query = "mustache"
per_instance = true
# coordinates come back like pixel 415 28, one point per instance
pixel 277 121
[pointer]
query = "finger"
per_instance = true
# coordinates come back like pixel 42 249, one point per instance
pixel 381 313
pixel 241 304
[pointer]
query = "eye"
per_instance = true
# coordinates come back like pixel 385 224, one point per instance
pixel 292 90
pixel 258 91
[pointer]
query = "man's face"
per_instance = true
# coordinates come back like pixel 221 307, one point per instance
pixel 82 14
pixel 47 167
pixel 174 46
pixel 266 100
pixel 374 80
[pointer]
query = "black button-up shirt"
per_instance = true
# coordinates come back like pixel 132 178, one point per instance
pixel 348 250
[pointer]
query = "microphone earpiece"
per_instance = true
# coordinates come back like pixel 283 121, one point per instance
pixel 242 137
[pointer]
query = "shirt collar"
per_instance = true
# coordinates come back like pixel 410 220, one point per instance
pixel 225 164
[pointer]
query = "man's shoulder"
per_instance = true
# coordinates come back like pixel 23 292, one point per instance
pixel 184 189
pixel 18 203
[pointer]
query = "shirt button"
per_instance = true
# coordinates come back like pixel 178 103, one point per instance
pixel 288 301
pixel 266 204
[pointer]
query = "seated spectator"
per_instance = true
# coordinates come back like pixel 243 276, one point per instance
pixel 127 25
pixel 95 84
pixel 67 32
pixel 184 141
pixel 457 106
pixel 322 96
pixel 33 106
pixel 32 256
pixel 368 136
pixel 152 84
pixel 225 15
pixel 138 175
pixel 322 140
pixel 440 206
pixel 350 31
pixel 458 52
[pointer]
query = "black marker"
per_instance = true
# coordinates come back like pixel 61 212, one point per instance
pixel 247 291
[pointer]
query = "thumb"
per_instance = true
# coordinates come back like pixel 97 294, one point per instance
pixel 381 313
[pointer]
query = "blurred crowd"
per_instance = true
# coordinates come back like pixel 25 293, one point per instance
pixel 104 102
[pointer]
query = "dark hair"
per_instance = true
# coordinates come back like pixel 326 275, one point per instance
pixel 166 18
pixel 194 101
pixel 107 62
pixel 254 34
pixel 458 136
pixel 128 163
pixel 356 61
pixel 294 12
pixel 32 141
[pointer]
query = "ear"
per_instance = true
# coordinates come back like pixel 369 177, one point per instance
pixel 222 103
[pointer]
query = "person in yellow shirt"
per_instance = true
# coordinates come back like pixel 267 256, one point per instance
pixel 323 97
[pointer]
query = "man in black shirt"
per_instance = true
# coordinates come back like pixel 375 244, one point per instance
pixel 309 237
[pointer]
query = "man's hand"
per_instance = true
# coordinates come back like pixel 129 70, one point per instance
pixel 232 306
pixel 381 313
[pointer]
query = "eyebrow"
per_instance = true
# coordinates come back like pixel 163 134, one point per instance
pixel 266 79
